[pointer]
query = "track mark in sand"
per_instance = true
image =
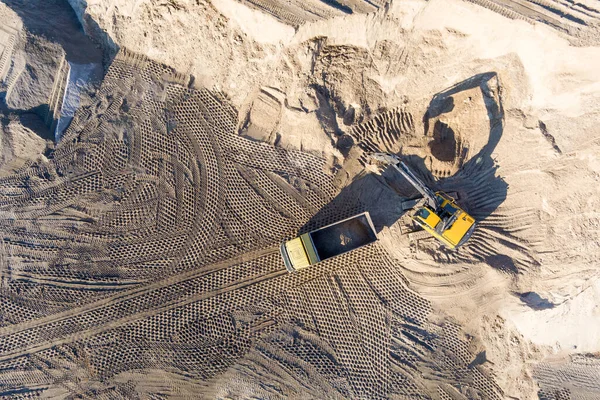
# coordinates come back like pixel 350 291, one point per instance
pixel 549 137
pixel 65 283
pixel 506 241
pixel 212 286
pixel 7 45
pixel 360 325
pixel 137 303
pixel 372 277
pixel 219 294
pixel 384 132
pixel 578 21
pixel 491 5
pixel 297 12
pixel 57 95
pixel 151 191
pixel 575 378
pixel 226 286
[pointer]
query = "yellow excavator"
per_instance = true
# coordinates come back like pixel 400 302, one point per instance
pixel 437 213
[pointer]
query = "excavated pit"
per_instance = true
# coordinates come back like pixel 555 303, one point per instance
pixel 444 145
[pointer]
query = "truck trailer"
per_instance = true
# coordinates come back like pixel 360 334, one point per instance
pixel 327 242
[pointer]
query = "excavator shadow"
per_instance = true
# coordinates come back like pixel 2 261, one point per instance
pixel 479 190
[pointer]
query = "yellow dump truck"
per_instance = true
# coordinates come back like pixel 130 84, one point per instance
pixel 438 213
pixel 327 242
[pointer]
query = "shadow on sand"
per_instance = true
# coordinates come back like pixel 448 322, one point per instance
pixel 56 21
pixel 480 191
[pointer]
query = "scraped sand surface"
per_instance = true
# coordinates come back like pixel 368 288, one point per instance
pixel 140 257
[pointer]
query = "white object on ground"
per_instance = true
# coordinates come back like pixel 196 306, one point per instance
pixel 79 78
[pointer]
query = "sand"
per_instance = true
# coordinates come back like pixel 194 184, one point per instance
pixel 139 253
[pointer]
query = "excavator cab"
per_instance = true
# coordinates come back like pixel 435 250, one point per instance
pixel 426 217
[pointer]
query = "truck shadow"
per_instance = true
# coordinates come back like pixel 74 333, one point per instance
pixel 480 191
pixel 365 193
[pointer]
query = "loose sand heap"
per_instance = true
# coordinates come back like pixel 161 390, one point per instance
pixel 139 255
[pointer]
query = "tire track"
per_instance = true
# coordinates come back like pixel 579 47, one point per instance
pixel 130 318
pixel 206 304
pixel 66 283
pixel 10 334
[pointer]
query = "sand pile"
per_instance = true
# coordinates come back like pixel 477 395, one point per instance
pixel 140 258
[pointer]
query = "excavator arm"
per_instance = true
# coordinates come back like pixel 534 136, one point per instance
pixel 393 160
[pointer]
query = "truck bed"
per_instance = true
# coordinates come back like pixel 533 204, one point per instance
pixel 343 236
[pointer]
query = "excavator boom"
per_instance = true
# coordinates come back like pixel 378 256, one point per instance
pixel 427 194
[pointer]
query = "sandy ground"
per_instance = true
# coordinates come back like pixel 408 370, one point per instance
pixel 139 256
